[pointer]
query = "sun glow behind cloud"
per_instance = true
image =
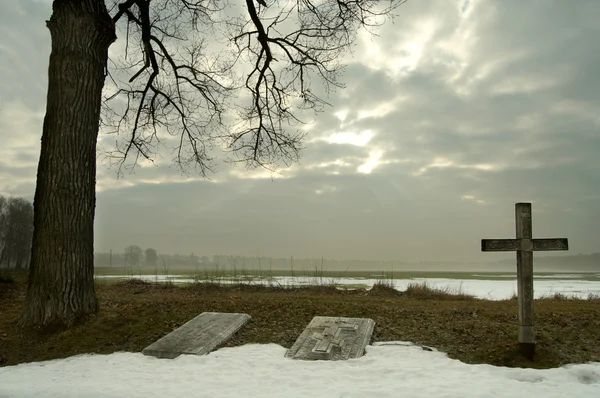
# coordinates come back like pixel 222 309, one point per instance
pixel 262 174
pixel 350 138
pixel 472 199
pixel 342 114
pixel 381 109
pixel 327 189
pixel 442 163
pixel 371 163
pixel 405 56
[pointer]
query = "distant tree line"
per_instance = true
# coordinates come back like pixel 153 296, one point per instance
pixel 16 232
pixel 256 262
pixel 134 256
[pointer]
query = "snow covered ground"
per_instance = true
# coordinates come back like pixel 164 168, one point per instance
pixel 390 369
pixel 398 370
pixel 486 289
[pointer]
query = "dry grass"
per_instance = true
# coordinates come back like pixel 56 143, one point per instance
pixel 558 296
pixel 424 291
pixel 135 314
pixel 384 288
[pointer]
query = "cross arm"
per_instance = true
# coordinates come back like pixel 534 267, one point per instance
pixel 511 245
pixel 499 245
pixel 550 244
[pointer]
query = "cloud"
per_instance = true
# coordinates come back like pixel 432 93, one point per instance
pixel 451 114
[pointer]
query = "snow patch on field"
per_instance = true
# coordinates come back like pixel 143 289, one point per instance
pixel 387 370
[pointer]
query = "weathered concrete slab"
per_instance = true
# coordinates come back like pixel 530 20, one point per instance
pixel 199 336
pixel 333 338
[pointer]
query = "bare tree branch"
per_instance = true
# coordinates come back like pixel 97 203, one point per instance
pixel 179 86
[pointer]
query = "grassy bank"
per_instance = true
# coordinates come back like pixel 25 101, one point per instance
pixel 133 314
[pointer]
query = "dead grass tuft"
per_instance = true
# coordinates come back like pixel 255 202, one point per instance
pixel 558 296
pixel 133 282
pixel 422 290
pixel 384 288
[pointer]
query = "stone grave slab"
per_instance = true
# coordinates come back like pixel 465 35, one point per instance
pixel 198 336
pixel 333 339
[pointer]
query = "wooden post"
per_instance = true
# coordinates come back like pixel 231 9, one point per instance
pixel 525 245
pixel 525 278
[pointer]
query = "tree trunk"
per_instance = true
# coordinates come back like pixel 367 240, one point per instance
pixel 2 253
pixel 61 276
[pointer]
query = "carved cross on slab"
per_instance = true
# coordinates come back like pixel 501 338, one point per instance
pixel 524 245
pixel 331 336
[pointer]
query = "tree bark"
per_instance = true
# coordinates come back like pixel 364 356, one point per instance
pixel 2 253
pixel 61 276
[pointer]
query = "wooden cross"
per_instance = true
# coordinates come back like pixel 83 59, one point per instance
pixel 524 245
pixel 330 336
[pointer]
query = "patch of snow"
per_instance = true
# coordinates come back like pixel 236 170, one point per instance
pixel 480 288
pixel 387 370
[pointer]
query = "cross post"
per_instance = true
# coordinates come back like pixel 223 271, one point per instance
pixel 524 245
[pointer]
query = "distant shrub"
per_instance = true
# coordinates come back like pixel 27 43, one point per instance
pixel 321 289
pixel 423 291
pixel 134 282
pixel 384 288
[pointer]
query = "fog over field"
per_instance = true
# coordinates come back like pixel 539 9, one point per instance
pixel 451 115
pixel 239 264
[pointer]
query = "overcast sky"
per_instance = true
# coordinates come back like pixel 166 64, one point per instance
pixel 453 114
